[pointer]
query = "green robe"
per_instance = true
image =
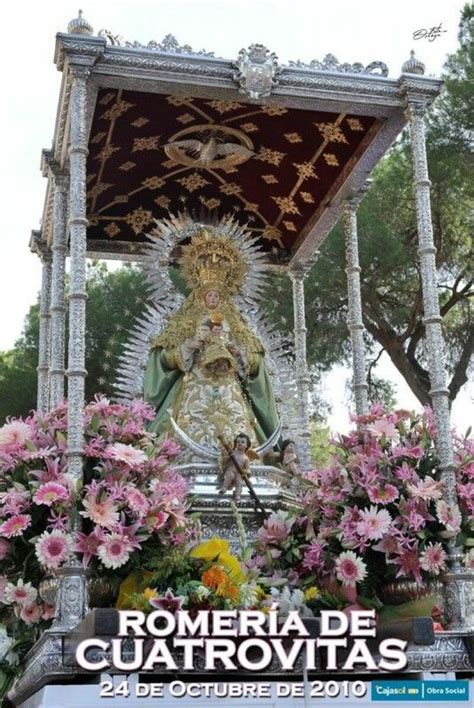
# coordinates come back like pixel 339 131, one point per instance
pixel 163 379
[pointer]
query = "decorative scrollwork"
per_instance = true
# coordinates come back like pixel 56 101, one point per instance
pixel 257 69
pixel 331 63
pixel 168 45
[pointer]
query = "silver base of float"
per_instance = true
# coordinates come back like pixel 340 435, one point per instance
pixel 272 485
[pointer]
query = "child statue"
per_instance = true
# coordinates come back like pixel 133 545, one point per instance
pixel 289 459
pixel 232 479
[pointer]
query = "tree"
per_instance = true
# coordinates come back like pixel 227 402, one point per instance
pixel 114 300
pixel 390 278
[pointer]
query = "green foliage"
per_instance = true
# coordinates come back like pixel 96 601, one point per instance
pixel 114 300
pixel 320 444
pixel 390 278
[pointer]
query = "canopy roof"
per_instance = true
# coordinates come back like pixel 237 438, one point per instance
pixel 277 147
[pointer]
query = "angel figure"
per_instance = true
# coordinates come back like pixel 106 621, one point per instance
pixel 289 459
pixel 232 478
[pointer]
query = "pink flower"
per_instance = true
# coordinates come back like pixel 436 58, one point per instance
pixel 49 611
pixel 126 453
pixel 449 516
pixel 389 545
pixel 374 524
pixel 53 548
pixel 103 513
pixel 50 493
pixel 433 558
pixel 156 519
pixel 88 544
pixel 384 427
pixel 427 489
pixel 169 602
pixel 405 473
pixel 22 593
pixel 31 614
pixel 136 500
pixel 275 529
pixel 314 556
pixel 4 548
pixel 409 563
pixel 170 448
pixel 15 525
pixel 383 495
pixel 15 432
pixel 114 551
pixel 350 569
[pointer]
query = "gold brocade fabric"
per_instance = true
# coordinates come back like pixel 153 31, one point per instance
pixel 182 326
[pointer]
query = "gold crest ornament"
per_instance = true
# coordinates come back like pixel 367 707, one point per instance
pixel 210 261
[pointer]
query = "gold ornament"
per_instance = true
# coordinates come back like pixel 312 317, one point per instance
pixel 212 262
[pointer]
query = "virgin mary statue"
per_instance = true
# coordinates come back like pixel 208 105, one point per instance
pixel 206 372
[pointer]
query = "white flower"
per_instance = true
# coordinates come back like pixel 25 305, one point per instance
pixel 21 593
pixel 5 643
pixel 202 592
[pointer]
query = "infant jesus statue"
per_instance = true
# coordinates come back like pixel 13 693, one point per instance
pixel 232 479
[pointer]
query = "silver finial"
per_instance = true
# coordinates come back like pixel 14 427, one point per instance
pixel 413 65
pixel 79 25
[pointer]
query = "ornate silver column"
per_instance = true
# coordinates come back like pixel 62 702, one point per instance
pixel 39 247
pixel 76 372
pixel 455 594
pixel 298 274
pixel 354 303
pixel 58 304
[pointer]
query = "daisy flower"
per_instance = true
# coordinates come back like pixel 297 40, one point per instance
pixel 126 453
pixel 15 433
pixel 50 493
pixel 373 523
pixel 426 489
pixel 103 513
pixel 53 548
pixel 22 593
pixel 31 614
pixel 350 569
pixel 449 516
pixel 383 495
pixel 114 551
pixel 433 558
pixel 15 525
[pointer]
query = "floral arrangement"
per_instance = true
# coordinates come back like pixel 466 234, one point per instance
pixel 376 513
pixel 130 506
pixel 207 577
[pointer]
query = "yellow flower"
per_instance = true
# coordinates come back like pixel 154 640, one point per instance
pixel 233 567
pixel 149 594
pixel 210 549
pixel 311 593
pixel 131 586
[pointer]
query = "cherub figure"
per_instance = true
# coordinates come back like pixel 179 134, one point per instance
pixel 231 476
pixel 289 459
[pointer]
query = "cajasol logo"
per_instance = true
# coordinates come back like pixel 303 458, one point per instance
pixel 429 691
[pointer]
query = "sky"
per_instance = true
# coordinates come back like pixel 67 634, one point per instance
pixel 361 31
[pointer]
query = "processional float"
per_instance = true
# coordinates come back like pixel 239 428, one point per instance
pixel 158 146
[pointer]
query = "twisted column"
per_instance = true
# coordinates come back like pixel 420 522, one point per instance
pixel 354 304
pixel 76 372
pixel 454 589
pixel 298 274
pixel 58 304
pixel 37 246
